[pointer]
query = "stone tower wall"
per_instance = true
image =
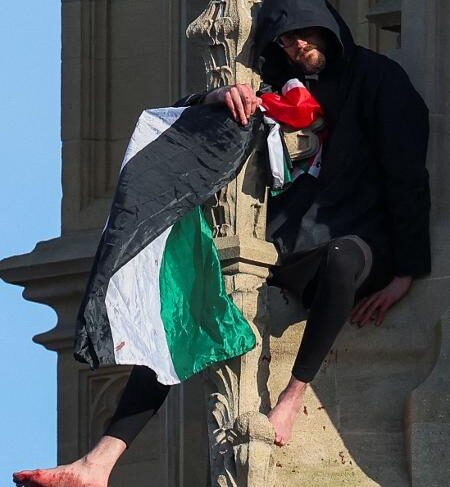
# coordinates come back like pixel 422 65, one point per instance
pixel 378 413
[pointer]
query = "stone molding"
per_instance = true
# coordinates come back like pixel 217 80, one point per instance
pixel 240 437
pixel 55 274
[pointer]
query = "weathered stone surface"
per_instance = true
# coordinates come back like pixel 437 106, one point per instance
pixel 120 56
pixel 253 444
pixel 238 216
pixel 428 418
pixel 355 408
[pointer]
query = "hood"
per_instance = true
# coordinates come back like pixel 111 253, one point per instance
pixel 278 16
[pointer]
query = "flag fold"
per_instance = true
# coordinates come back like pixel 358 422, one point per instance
pixel 155 295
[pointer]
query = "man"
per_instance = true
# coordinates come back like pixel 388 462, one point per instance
pixel 358 231
pixel 361 229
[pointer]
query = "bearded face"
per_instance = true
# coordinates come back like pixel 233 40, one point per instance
pixel 306 48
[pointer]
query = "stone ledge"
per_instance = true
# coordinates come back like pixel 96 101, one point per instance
pixel 246 255
pixel 71 253
pixel 55 274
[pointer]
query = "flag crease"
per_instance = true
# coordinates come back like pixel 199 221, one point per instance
pixel 155 295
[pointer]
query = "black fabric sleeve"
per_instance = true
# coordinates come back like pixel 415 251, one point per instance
pixel 190 100
pixel 401 133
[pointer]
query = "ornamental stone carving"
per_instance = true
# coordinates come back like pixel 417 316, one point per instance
pixel 241 437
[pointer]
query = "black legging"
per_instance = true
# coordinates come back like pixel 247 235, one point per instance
pixel 339 268
pixel 326 278
pixel 142 397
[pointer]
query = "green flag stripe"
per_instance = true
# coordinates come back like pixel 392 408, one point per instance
pixel 202 324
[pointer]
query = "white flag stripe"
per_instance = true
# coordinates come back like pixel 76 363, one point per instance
pixel 151 124
pixel 276 152
pixel 290 85
pixel 137 329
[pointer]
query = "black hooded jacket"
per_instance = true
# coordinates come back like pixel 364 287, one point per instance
pixel 373 182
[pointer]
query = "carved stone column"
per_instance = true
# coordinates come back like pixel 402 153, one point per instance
pixel 241 438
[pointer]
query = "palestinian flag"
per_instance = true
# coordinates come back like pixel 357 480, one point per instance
pixel 295 107
pixel 156 295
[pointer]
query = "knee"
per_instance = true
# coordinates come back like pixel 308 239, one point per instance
pixel 344 259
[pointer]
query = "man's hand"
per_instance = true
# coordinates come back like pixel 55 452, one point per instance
pixel 241 100
pixel 375 307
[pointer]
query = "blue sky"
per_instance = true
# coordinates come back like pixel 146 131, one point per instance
pixel 29 212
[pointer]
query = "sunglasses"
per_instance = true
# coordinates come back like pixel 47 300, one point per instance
pixel 288 39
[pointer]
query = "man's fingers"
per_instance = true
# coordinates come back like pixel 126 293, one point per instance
pixel 241 100
pixel 366 315
pixel 358 306
pixel 386 306
pixel 238 106
pixel 254 105
pixel 371 313
pixel 229 103
pixel 380 315
pixel 361 312
pixel 247 102
pixel 248 98
pixel 378 304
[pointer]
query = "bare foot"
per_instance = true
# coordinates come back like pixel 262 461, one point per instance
pixel 78 474
pixel 93 470
pixel 284 413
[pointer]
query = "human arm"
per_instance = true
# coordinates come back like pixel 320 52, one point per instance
pixel 375 307
pixel 240 99
pixel 400 133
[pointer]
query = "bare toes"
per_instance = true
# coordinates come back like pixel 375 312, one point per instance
pixel 19 478
pixel 25 478
pixel 279 441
